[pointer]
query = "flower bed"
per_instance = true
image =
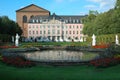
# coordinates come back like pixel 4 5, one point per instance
pixel 17 61
pixel 5 47
pixel 101 46
pixel 105 62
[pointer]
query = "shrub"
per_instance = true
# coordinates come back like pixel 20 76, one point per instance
pixel 5 47
pixel 17 61
pixel 101 46
pixel 105 62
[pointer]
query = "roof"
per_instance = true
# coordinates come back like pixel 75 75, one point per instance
pixel 65 18
pixel 36 8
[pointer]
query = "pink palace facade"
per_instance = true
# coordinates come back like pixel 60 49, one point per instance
pixel 56 28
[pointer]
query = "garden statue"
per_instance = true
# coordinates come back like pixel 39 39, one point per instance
pixel 56 39
pixel 17 40
pixel 81 39
pixel 117 40
pixel 93 40
pixel 13 39
pixel 61 40
pixel 51 38
pixel 84 39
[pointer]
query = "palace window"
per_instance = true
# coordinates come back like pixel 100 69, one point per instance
pixel 80 32
pixel 73 32
pixel 62 27
pixel 66 32
pixel 29 26
pixel 33 26
pixel 36 32
pixel 53 26
pixel 40 26
pixel 77 32
pixel 58 26
pixel 58 32
pixel 44 32
pixel 48 31
pixel 73 26
pixel 33 32
pixel 43 26
pixel 40 32
pixel 53 31
pixel 29 32
pixel 62 32
pixel 77 27
pixel 80 26
pixel 36 26
pixel 66 27
pixel 48 26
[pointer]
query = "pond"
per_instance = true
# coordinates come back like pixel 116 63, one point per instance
pixel 59 56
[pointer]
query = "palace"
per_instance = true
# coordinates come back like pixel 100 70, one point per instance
pixel 38 24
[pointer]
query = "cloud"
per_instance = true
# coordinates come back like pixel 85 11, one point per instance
pixel 91 7
pixel 104 4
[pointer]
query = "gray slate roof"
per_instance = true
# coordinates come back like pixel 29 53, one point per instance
pixel 63 18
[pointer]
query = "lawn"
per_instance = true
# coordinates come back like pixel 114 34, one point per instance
pixel 83 72
pixel 54 44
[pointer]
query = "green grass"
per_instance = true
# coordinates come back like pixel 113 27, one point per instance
pixel 59 73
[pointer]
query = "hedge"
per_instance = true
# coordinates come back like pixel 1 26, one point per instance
pixel 104 39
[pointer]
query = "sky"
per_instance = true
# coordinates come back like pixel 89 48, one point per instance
pixel 60 7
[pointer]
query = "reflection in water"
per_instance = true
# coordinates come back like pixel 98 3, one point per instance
pixel 57 55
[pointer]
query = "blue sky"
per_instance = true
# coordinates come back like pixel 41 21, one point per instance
pixel 60 7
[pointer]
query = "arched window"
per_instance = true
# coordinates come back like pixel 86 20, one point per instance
pixel 31 16
pixel 24 18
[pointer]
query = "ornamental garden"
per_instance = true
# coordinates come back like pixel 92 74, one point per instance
pixel 93 55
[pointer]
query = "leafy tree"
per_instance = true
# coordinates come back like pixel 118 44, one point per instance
pixel 117 6
pixel 8 28
pixel 103 23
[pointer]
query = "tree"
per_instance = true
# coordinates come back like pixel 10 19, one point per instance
pixel 117 6
pixel 8 28
pixel 88 22
pixel 103 23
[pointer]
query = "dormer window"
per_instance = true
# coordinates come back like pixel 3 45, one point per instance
pixel 73 21
pixel 70 20
pixel 40 21
pixel 37 21
pixel 66 21
pixel 77 21
pixel 33 20
pixel 46 20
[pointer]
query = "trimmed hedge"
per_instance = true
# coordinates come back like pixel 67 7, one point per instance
pixel 104 39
